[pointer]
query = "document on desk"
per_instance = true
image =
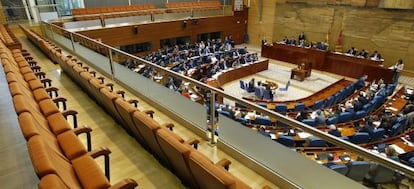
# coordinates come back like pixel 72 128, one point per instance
pixel 398 149
pixel 303 135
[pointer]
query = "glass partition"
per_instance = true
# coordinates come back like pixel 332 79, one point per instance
pixel 165 85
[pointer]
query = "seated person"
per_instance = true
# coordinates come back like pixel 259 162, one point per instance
pixel 285 40
pixel 331 160
pixel 363 54
pixel 301 116
pixel 292 41
pixel 251 86
pixel 368 128
pixel 334 131
pixel 351 51
pixel 376 56
pixel 320 118
pixel 264 42
pixel 301 37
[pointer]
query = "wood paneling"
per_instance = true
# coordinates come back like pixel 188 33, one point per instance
pixel 154 32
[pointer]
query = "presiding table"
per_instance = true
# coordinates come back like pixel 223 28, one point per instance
pixel 336 63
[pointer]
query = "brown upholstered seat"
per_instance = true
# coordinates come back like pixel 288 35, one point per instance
pixel 208 175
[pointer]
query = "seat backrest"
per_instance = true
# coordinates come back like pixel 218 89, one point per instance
pixel 310 122
pixel 360 114
pixel 332 120
pixel 360 138
pixel 317 142
pixel 286 140
pixel 340 168
pixel 126 111
pixel 300 106
pixel 344 117
pixel 209 176
pixel 318 105
pixel 281 108
pixel 380 174
pixel 148 128
pixel 178 155
pixel 395 129
pixel 357 170
pixel 242 85
pixel 377 134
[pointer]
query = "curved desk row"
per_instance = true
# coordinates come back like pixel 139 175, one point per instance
pixel 232 74
pixel 309 100
pixel 340 64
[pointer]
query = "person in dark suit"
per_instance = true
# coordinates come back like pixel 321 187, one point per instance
pixel 264 42
pixel 301 37
pixel 363 53
pixel 368 128
pixel 362 98
pixel 301 116
pixel 251 85
pixel 361 82
pixel 351 51
pixel 285 40
pixel 334 131
pixel 376 56
pixel 357 105
pixel 292 41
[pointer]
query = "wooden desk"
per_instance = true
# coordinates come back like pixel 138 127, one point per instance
pixel 301 74
pixel 330 62
pixel 240 72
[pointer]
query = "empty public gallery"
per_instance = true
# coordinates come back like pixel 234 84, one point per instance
pixel 207 94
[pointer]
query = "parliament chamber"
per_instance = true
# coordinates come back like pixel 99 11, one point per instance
pixel 168 101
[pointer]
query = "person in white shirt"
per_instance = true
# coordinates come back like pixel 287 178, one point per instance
pixel 398 67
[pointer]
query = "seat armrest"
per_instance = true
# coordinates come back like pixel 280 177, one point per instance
pixel 225 163
pixel 134 102
pixel 93 73
pixel 150 113
pixel 102 151
pixel 85 130
pixel 194 142
pixel 50 90
pixel 102 79
pixel 110 85
pixel 170 126
pixel 40 75
pixel 36 68
pixel 59 100
pixel 86 68
pixel 46 81
pixel 125 184
pixel 72 113
pixel 121 93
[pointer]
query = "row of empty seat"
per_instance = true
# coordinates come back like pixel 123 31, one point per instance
pixel 58 156
pixel 193 168
pixel 8 38
pixel 177 7
pixel 92 13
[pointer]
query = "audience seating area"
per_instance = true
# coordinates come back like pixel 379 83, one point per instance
pixel 58 156
pixel 8 38
pixel 177 7
pixel 93 13
pixel 193 168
